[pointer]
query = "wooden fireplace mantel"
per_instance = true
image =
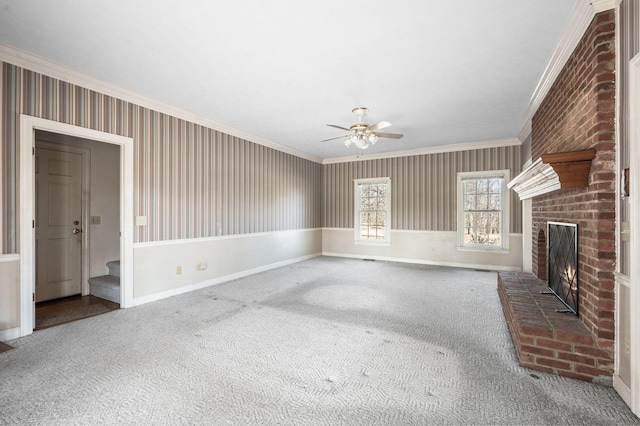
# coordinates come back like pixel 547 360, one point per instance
pixel 551 172
pixel 572 167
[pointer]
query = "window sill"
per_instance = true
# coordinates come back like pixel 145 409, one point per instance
pixel 488 249
pixel 372 243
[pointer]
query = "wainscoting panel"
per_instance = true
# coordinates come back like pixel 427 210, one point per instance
pixel 226 258
pixel 9 293
pixel 426 247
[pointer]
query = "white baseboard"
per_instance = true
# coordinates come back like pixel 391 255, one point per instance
pixel 208 283
pixel 9 334
pixel 482 266
pixel 623 390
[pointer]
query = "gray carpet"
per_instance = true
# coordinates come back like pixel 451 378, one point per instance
pixel 326 341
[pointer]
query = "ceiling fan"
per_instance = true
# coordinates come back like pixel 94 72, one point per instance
pixel 361 134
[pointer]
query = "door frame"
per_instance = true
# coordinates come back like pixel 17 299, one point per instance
pixel 86 167
pixel 28 126
pixel 634 195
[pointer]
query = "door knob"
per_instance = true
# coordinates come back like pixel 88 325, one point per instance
pixel 77 231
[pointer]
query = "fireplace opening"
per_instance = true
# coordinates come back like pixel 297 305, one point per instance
pixel 562 271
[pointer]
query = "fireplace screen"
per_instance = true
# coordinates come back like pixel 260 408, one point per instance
pixel 562 251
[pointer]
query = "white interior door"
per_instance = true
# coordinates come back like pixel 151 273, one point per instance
pixel 58 199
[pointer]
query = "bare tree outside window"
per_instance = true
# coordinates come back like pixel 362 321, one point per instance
pixel 373 211
pixel 482 199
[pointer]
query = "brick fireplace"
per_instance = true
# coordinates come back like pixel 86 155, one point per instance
pixel 577 114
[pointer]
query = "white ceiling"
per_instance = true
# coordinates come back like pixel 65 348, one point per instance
pixel 442 72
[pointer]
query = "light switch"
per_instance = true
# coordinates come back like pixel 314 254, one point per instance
pixel 96 220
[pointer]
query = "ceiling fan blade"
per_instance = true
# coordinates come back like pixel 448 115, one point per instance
pixel 337 137
pixel 380 125
pixel 339 127
pixel 390 135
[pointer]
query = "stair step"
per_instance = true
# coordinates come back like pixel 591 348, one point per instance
pixel 105 287
pixel 114 268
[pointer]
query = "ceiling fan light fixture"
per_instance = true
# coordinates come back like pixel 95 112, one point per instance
pixel 362 143
pixel 361 134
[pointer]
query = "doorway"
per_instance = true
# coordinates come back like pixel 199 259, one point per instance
pixel 77 209
pixel 124 234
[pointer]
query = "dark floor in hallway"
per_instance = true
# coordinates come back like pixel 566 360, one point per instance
pixel 67 309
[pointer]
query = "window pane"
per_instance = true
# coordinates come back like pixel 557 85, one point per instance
pixel 495 186
pixel 494 202
pixel 367 191
pixel 468 220
pixel 482 202
pixel 482 211
pixel 373 213
pixel 382 203
pixel 470 186
pixel 470 202
pixel 380 224
pixel 364 220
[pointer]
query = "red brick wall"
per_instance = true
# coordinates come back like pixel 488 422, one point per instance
pixel 578 113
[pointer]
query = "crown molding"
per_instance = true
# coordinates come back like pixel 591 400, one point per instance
pixel 467 146
pixel 526 131
pixel 602 5
pixel 579 21
pixel 46 67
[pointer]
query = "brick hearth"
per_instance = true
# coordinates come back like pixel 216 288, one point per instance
pixel 547 340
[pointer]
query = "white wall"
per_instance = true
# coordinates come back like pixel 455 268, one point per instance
pixel 428 247
pixel 104 239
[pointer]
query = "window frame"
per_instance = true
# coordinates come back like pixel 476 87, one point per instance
pixel 357 183
pixel 505 210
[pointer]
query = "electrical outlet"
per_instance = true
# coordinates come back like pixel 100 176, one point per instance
pixel 178 270
pixel 202 266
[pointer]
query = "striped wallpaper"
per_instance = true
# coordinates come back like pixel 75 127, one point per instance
pixel 190 181
pixel 423 187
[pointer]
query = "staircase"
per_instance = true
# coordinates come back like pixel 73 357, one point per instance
pixel 107 286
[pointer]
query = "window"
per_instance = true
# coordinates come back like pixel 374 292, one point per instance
pixel 372 210
pixel 483 210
